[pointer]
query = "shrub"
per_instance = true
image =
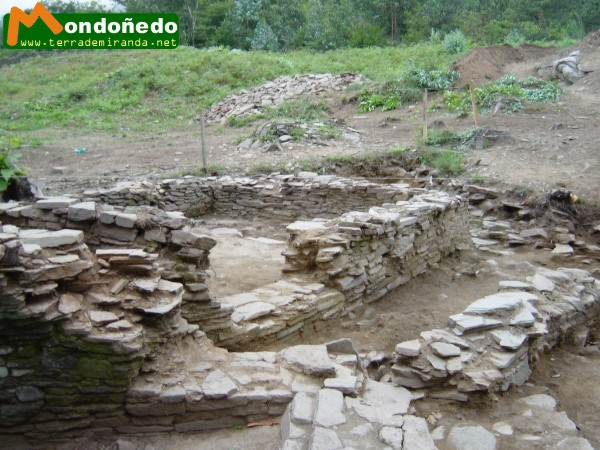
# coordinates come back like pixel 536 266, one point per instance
pixel 455 42
pixel 432 79
pixel 8 163
pixel 512 90
pixel 514 38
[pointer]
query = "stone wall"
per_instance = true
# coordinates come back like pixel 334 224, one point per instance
pixel 354 259
pixel 490 345
pixel 281 197
pixel 184 248
pixel 366 255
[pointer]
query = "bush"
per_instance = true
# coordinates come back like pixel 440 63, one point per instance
pixel 455 42
pixel 8 163
pixel 389 95
pixel 512 90
pixel 514 38
pixel 432 79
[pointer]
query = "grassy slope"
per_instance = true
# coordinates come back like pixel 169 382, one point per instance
pixel 128 90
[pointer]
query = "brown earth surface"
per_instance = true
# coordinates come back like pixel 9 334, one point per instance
pixel 550 145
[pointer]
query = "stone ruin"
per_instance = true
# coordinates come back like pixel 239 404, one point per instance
pixel 107 324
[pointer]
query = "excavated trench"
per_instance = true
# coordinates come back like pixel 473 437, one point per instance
pixel 342 269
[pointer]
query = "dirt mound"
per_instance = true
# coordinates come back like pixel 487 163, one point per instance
pixel 485 64
pixel 591 41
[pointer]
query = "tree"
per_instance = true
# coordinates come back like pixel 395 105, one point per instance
pixel 264 38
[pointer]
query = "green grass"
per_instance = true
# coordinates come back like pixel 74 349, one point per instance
pixel 150 90
pixel 447 162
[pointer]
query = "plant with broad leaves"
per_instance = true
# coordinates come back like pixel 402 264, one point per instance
pixel 8 162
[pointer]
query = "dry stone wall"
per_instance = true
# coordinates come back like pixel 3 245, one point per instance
pixel 127 230
pixel 356 259
pixel 490 345
pixel 285 197
pixel 366 255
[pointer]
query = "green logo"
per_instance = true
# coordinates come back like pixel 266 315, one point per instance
pixel 41 30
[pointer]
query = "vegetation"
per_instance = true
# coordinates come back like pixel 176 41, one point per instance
pixel 284 25
pixel 508 90
pixel 407 89
pixel 8 161
pixel 447 162
pixel 140 90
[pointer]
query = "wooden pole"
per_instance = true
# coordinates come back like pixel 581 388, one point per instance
pixel 425 117
pixel 203 140
pixel 474 105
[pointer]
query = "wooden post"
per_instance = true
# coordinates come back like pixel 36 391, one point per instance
pixel 203 141
pixel 474 105
pixel 425 116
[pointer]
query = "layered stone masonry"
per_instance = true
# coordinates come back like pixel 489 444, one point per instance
pixel 281 197
pixel 184 249
pixel 491 344
pixel 84 351
pixel 275 92
pixel 366 255
pixel 88 342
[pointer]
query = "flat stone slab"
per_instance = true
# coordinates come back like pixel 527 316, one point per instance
pixel 472 438
pixel 81 212
pixel 508 339
pixel 164 307
pixel 102 317
pixel 312 360
pixel 409 348
pixel 125 220
pixel 238 300
pixel 562 250
pixel 416 434
pixel 192 239
pixel 218 385
pixel 444 350
pixel 324 439
pixel 444 336
pixel 395 400
pixel 252 311
pixel 70 303
pixel 542 284
pixel 303 408
pixel 330 408
pixel 374 414
pixel 302 226
pixel 346 385
pixel 463 323
pixel 51 239
pixel 519 285
pixel 502 301
pixel 56 202
pixel 541 401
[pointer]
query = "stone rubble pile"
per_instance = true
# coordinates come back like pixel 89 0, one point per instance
pixel 274 93
pixel 502 236
pixel 489 346
pixel 274 136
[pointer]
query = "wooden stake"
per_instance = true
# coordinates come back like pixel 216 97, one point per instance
pixel 474 105
pixel 425 118
pixel 203 141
